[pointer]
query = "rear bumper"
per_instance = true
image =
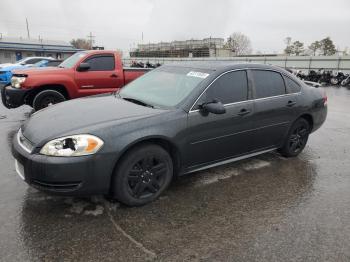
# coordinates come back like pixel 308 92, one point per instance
pixel 69 176
pixel 319 118
pixel 13 97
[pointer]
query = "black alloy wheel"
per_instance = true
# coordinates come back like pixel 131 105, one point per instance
pixel 297 138
pixel 147 177
pixel 142 175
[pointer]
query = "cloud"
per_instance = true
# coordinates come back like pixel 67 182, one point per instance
pixel 120 23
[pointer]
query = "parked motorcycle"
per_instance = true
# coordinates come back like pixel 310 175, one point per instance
pixel 338 77
pixel 325 78
pixel 346 81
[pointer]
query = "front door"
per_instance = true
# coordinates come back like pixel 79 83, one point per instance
pixel 101 77
pixel 216 137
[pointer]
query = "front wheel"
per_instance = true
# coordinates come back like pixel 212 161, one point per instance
pixel 46 98
pixel 296 139
pixel 142 175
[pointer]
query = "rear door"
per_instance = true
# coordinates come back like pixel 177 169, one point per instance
pixel 274 108
pixel 101 77
pixel 213 137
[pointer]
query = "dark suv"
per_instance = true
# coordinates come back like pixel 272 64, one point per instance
pixel 172 121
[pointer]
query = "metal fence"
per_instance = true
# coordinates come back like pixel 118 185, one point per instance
pixel 305 63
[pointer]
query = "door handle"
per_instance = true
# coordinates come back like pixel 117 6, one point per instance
pixel 243 112
pixel 291 103
pixel 114 75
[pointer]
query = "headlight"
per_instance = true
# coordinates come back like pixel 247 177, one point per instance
pixel 16 81
pixel 76 145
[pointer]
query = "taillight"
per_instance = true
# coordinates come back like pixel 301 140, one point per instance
pixel 325 99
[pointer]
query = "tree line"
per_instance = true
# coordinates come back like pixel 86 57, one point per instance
pixel 324 47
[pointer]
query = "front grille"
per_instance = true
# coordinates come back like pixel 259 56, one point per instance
pixel 58 186
pixel 24 142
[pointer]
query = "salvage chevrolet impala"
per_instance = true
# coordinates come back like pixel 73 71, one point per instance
pixel 172 121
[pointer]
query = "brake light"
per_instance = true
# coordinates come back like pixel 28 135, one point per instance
pixel 325 99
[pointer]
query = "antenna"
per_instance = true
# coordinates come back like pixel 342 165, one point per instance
pixel 91 39
pixel 27 28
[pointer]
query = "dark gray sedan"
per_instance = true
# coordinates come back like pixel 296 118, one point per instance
pixel 172 121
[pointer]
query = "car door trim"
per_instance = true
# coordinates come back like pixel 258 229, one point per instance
pixel 229 160
pixel 237 133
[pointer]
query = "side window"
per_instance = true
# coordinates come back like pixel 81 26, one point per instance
pixel 101 63
pixel 229 88
pixel 268 83
pixel 292 86
pixel 33 61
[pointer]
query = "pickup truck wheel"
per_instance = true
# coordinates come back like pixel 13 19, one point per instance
pixel 142 175
pixel 46 98
pixel 2 91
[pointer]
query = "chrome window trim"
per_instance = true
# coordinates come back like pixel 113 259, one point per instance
pixel 249 100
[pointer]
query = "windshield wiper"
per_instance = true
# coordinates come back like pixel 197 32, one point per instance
pixel 136 101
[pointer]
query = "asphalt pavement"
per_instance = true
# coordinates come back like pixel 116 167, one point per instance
pixel 267 208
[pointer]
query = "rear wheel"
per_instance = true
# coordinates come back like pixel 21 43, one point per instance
pixel 46 98
pixel 142 175
pixel 296 139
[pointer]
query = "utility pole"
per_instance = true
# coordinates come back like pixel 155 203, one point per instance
pixel 27 28
pixel 91 39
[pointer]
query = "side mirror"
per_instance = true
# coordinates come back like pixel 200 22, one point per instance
pixel 215 107
pixel 83 67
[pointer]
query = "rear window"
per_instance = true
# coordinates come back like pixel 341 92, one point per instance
pixel 268 83
pixel 291 85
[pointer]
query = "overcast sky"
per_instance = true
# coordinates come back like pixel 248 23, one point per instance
pixel 120 23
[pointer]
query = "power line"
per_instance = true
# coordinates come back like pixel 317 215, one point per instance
pixel 91 39
pixel 27 28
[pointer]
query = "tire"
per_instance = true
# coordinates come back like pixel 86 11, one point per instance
pixel 142 175
pixel 46 98
pixel 296 139
pixel 334 81
pixel 3 99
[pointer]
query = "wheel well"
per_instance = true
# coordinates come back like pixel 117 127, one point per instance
pixel 165 144
pixel 59 88
pixel 309 119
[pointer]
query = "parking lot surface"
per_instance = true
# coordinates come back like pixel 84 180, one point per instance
pixel 268 208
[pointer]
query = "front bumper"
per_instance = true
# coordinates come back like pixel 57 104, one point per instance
pixel 13 97
pixel 70 176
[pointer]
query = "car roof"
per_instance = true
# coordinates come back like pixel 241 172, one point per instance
pixel 223 65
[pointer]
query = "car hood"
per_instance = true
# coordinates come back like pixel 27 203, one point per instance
pixel 10 67
pixel 82 115
pixel 41 70
pixel 6 64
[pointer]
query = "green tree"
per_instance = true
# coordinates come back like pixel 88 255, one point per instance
pixel 327 46
pixel 298 48
pixel 81 43
pixel 315 46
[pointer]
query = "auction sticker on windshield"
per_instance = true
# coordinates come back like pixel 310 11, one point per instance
pixel 198 74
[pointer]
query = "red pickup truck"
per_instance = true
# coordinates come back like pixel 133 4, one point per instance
pixel 83 74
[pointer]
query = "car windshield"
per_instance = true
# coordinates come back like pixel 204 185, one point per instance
pixel 41 63
pixel 22 60
pixel 164 87
pixel 71 61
